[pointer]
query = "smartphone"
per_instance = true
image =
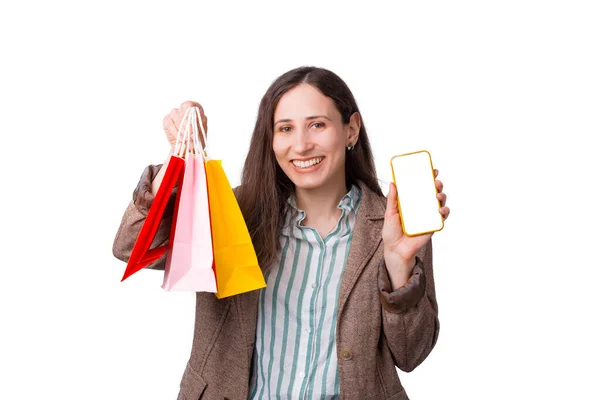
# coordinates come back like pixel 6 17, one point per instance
pixel 417 195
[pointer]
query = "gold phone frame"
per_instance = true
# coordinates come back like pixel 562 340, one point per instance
pixel 398 196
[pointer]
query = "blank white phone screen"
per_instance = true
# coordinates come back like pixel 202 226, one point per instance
pixel 419 207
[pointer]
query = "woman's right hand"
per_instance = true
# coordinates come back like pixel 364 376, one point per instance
pixel 172 121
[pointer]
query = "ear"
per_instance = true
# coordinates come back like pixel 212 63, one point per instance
pixel 354 127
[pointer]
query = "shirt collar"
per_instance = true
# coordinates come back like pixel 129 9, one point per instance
pixel 349 202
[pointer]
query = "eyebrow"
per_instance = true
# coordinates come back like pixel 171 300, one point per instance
pixel 307 118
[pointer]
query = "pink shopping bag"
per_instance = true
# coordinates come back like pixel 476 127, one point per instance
pixel 189 265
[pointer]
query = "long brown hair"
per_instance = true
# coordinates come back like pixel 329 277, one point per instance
pixel 265 188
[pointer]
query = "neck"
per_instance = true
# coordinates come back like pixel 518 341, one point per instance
pixel 321 203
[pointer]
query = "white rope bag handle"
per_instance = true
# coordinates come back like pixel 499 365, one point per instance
pixel 183 135
pixel 197 120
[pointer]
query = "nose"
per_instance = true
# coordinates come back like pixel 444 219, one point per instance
pixel 302 141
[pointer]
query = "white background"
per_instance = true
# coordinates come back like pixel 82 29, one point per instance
pixel 505 95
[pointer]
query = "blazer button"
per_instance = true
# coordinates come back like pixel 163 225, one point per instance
pixel 346 355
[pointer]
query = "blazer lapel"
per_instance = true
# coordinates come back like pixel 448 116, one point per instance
pixel 365 240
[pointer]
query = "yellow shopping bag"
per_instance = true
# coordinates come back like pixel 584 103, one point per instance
pixel 236 265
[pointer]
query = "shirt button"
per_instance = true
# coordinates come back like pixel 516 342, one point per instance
pixel 307 330
pixel 302 375
pixel 346 355
pixel 314 285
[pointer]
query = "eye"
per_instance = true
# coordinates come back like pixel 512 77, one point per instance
pixel 318 123
pixel 284 129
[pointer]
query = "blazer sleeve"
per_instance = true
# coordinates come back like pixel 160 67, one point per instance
pixel 410 313
pixel 135 215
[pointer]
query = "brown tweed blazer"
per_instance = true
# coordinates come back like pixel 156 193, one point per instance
pixel 377 329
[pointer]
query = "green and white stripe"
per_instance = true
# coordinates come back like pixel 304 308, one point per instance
pixel 295 355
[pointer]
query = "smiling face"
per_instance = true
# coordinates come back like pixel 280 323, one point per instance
pixel 310 139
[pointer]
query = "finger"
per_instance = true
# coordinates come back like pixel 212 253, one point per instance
pixel 189 104
pixel 202 141
pixel 186 105
pixel 392 201
pixel 202 115
pixel 442 198
pixel 439 185
pixel 176 117
pixel 204 122
pixel 170 128
pixel 205 125
pixel 435 173
pixel 166 121
pixel 445 211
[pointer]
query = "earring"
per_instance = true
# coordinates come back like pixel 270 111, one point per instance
pixel 350 146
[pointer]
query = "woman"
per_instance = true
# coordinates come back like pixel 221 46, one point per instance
pixel 348 296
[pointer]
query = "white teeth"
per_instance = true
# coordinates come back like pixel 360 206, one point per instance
pixel 306 164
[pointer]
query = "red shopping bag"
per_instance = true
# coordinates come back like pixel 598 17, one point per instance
pixel 142 255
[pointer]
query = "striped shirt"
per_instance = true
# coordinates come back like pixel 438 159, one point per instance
pixel 295 355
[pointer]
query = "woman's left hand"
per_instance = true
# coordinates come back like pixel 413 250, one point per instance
pixel 399 249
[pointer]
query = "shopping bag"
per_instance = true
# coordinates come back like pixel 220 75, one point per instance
pixel 189 265
pixel 141 255
pixel 236 264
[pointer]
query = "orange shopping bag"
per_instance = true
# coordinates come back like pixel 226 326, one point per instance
pixel 236 264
